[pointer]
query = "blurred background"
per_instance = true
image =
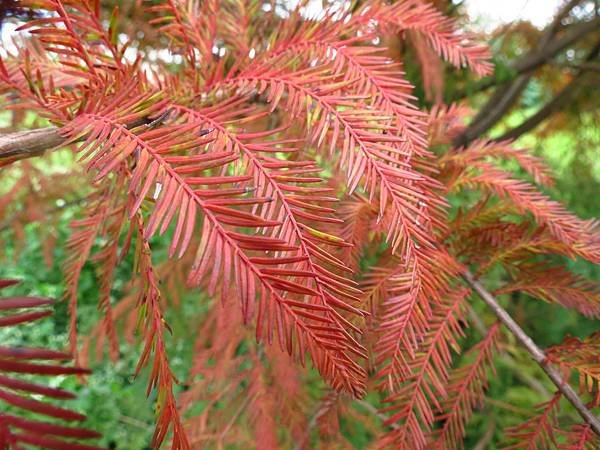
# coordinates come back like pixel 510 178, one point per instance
pixel 555 114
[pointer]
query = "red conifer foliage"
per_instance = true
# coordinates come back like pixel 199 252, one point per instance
pixel 18 394
pixel 239 148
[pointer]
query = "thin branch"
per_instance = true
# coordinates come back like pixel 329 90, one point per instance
pixel 320 411
pixel 487 437
pixel 311 425
pixel 29 143
pixel 507 406
pixel 498 104
pixel 542 55
pixel 543 113
pixel 506 95
pixel 536 353
pixel 536 57
pixel 134 422
pixel 527 379
pixel 589 66
pixel 561 99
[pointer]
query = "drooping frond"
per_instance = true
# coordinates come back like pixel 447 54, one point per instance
pixel 539 430
pixel 297 199
pixel 79 248
pixel 455 46
pixel 32 196
pixel 72 31
pixel 580 437
pixel 359 217
pixel 366 71
pixel 215 378
pixel 19 394
pixel 432 68
pixel 580 235
pixel 222 134
pixel 169 161
pixel 465 390
pixel 192 38
pixel 482 150
pixel 408 301
pixel 107 260
pixel 425 381
pixel 369 155
pixel 380 283
pixel 483 214
pixel 155 349
pixel 557 285
pixel 262 409
pixel 247 388
pixel 509 244
pixel 581 356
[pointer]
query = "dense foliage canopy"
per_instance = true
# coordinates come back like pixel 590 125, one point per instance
pixel 284 226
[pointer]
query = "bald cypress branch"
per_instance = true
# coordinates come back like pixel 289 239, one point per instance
pixel 536 352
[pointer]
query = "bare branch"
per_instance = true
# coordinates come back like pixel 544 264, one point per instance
pixel 527 379
pixel 555 104
pixel 537 57
pixel 536 353
pixel 500 102
pixel 542 55
pixel 506 95
pixel 549 108
pixel 29 143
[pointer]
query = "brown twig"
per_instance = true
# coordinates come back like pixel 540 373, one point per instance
pixel 531 60
pixel 505 96
pixel 536 353
pixel 561 99
pixel 31 143
pixel 487 437
pixel 374 411
pixel 543 113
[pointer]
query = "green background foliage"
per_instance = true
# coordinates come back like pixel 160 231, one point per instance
pixel 116 402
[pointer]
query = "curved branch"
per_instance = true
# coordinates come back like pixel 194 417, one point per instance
pixel 552 106
pixel 29 143
pixel 555 104
pixel 540 55
pixel 505 96
pixel 536 353
pixel 498 104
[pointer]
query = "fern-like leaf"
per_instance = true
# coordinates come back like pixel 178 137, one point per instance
pixel 578 234
pixel 557 285
pixel 459 49
pixel 426 379
pixel 465 392
pixel 580 437
pixel 581 356
pixel 174 178
pixel 538 431
pixel 19 394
